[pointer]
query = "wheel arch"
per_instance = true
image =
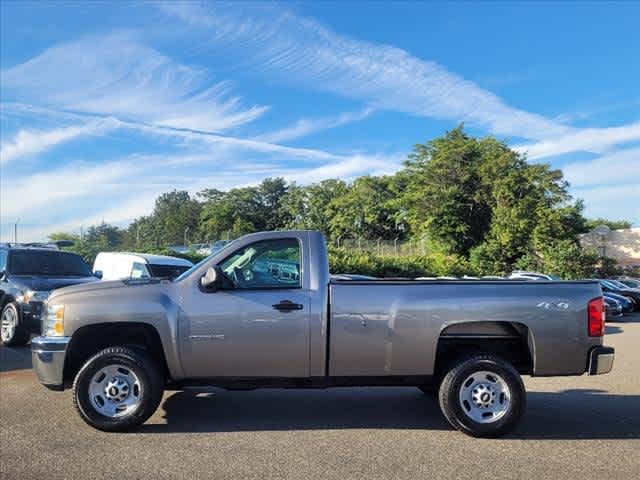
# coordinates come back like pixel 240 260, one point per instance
pixel 88 340
pixel 511 340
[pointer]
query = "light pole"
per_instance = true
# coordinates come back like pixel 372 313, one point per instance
pixel 185 236
pixel 15 230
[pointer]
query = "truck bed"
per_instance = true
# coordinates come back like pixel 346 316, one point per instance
pixel 384 327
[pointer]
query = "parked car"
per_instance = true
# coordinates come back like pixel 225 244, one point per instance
pixel 28 274
pixel 628 304
pixel 610 287
pixel 629 282
pixel 613 309
pixel 234 321
pixel 119 265
pixel 621 285
pixel 520 274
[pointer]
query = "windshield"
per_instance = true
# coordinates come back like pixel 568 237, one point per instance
pixel 47 263
pixel 166 271
pixel 186 273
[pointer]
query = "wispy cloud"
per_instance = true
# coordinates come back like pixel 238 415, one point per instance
pixel 30 142
pixel 595 140
pixel 307 126
pixel 119 76
pixel 600 199
pixel 120 190
pixel 618 167
pixel 295 49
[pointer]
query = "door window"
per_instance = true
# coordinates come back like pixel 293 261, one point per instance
pixel 265 264
pixel 139 270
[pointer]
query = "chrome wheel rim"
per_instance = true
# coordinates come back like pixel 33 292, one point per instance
pixel 484 397
pixel 115 391
pixel 8 325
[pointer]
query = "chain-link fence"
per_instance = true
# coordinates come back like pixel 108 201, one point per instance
pixel 383 247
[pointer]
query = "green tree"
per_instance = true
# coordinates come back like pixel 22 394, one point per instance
pixel 175 213
pixel 308 207
pixel 365 209
pixel 592 223
pixel 97 238
pixel 445 197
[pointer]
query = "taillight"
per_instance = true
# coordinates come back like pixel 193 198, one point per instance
pixel 596 317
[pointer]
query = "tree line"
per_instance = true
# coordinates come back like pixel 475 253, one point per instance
pixel 477 205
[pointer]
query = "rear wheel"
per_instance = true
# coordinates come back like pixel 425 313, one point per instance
pixel 117 389
pixel 12 330
pixel 482 396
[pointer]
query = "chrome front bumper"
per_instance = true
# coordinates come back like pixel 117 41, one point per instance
pixel 600 360
pixel 47 356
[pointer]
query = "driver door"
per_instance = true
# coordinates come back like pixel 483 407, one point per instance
pixel 258 328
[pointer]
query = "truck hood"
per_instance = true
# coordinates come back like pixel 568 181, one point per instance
pixel 105 285
pixel 47 284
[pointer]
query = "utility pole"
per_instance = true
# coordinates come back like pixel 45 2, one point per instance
pixel 15 230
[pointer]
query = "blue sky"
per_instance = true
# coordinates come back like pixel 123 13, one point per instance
pixel 106 105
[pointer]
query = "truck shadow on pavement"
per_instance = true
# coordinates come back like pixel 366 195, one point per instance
pixel 571 414
pixel 15 358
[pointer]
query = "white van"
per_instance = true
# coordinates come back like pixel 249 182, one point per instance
pixel 118 265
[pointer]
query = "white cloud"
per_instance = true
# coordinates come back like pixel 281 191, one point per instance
pixel 296 49
pixel 347 169
pixel 31 142
pixel 595 140
pixel 117 75
pixel 306 126
pixel 120 190
pixel 26 195
pixel 616 202
pixel 622 166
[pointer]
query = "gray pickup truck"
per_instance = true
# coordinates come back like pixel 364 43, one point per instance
pixel 264 312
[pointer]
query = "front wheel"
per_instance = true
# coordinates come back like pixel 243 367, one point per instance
pixel 117 389
pixel 482 396
pixel 12 330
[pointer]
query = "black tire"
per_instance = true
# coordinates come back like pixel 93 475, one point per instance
pixel 453 409
pixel 21 334
pixel 151 388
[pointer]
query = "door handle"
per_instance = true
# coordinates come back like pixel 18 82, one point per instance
pixel 287 306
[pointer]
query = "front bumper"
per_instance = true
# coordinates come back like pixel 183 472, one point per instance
pixel 600 360
pixel 47 356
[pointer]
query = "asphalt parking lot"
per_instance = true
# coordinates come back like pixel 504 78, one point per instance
pixel 575 427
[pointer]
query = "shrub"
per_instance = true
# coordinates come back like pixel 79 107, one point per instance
pixel 342 260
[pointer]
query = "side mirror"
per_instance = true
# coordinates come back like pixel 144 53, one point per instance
pixel 212 279
pixel 98 274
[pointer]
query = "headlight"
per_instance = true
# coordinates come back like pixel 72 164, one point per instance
pixel 53 321
pixel 30 295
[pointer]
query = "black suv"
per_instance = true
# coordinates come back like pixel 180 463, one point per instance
pixel 28 273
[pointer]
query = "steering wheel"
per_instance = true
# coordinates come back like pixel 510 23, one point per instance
pixel 248 275
pixel 238 276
